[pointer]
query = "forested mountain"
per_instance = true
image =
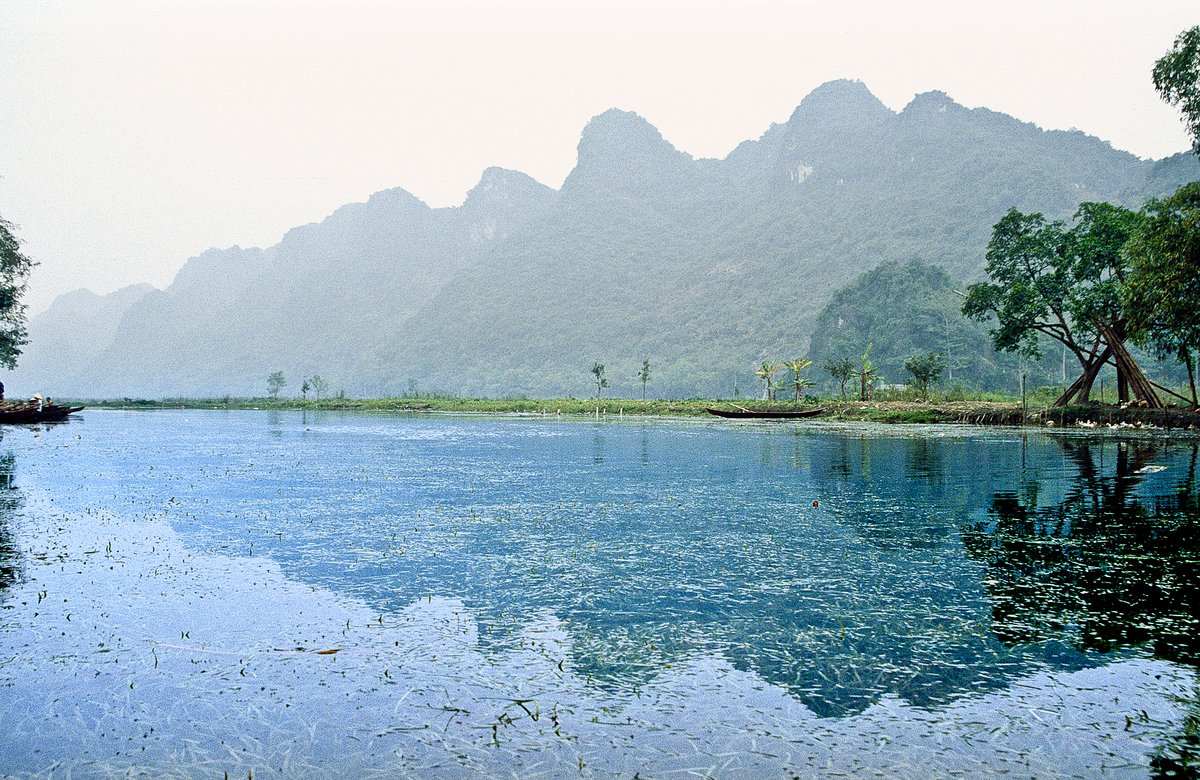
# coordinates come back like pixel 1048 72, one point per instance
pixel 706 267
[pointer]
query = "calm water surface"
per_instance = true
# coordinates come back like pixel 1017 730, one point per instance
pixel 194 593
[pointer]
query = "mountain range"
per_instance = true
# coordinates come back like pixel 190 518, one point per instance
pixel 706 267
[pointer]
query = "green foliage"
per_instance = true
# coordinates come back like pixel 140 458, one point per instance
pixel 14 269
pixel 1162 288
pixel 1029 269
pixel 842 370
pixel 1050 280
pixel 1177 79
pixel 320 387
pixel 275 383
pixel 867 374
pixel 926 370
pixel 799 383
pixel 904 309
pixel 767 373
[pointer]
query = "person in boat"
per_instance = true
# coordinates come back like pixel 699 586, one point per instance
pixel 36 401
pixel 1 391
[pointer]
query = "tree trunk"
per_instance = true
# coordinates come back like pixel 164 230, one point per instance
pixel 1122 386
pixel 1191 367
pixel 1128 366
pixel 1083 385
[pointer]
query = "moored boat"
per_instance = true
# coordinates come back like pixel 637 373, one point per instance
pixel 33 413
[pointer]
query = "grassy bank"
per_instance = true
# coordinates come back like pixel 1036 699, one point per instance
pixel 980 412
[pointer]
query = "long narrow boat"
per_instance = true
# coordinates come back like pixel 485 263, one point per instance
pixel 31 413
pixel 777 414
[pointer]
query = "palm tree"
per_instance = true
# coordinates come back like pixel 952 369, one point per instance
pixel 767 372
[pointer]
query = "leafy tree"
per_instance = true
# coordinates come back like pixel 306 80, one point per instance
pixel 644 375
pixel 842 369
pixel 14 269
pixel 1063 283
pixel 1177 79
pixel 926 370
pixel 275 383
pixel 867 375
pixel 601 382
pixel 319 386
pixel 304 388
pixel 1162 287
pixel 799 383
pixel 767 373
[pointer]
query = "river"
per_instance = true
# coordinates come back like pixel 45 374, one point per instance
pixel 198 593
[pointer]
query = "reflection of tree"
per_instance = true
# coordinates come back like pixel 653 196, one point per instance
pixel 1180 756
pixel 1114 563
pixel 10 554
pixel 1108 566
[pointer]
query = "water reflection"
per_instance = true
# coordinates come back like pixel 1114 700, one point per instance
pixel 10 500
pixel 933 566
pixel 680 574
pixel 1111 563
pixel 717 549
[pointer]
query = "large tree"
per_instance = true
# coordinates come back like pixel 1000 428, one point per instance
pixel 14 270
pixel 1162 290
pixel 1048 280
pixel 1163 254
pixel 1177 79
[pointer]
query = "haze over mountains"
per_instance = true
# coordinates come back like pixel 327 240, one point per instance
pixel 706 267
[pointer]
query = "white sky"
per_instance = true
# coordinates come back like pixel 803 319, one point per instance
pixel 137 133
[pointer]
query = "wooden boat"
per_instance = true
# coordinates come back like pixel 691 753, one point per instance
pixel 31 413
pixel 769 414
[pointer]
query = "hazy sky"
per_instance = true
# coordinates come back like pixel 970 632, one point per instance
pixel 137 133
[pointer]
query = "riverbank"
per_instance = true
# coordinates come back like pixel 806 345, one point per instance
pixel 960 412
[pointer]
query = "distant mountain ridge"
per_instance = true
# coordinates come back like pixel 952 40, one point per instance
pixel 704 266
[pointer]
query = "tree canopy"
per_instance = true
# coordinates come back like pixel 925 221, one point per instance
pixel 1177 79
pixel 926 370
pixel 1163 284
pixel 1063 283
pixel 14 269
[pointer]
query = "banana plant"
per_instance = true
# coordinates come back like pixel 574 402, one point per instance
pixel 798 382
pixel 867 377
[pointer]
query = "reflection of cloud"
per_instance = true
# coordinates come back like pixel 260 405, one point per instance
pixel 204 650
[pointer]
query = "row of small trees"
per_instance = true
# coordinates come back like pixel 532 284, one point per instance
pixel 643 376
pixel 315 384
pixel 926 370
pixel 799 382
